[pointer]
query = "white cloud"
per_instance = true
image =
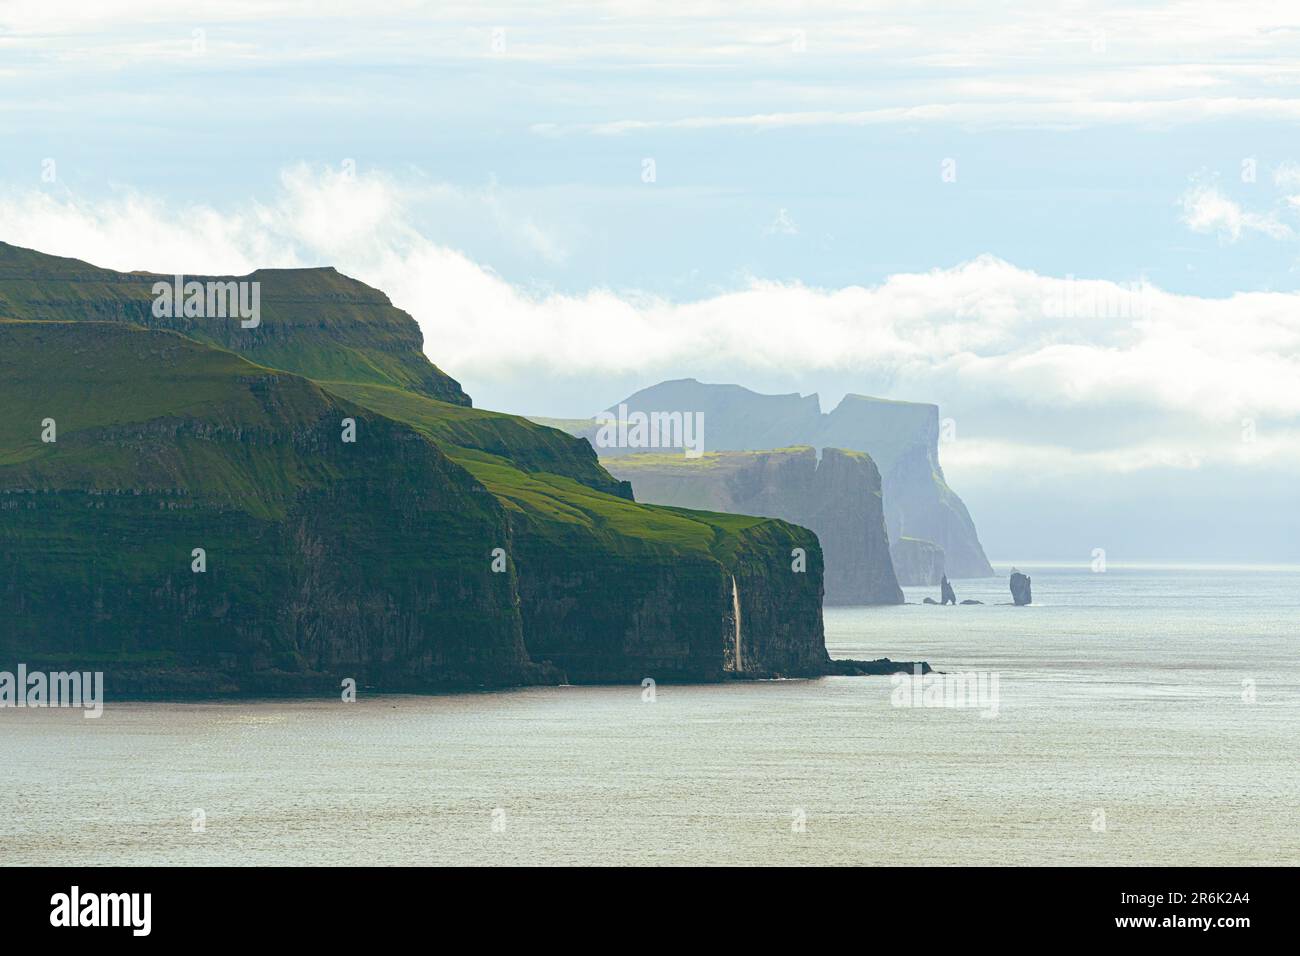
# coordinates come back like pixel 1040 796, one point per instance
pixel 1012 63
pixel 992 459
pixel 1287 175
pixel 1207 209
pixel 983 334
pixel 1024 111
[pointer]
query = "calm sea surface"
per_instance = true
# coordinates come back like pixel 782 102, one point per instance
pixel 1122 696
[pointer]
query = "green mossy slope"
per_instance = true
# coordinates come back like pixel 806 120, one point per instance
pixel 325 559
pixel 612 589
pixel 329 559
pixel 315 322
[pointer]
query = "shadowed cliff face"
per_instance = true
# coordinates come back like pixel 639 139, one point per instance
pixel 917 561
pixel 901 437
pixel 780 607
pixel 613 620
pixel 321 559
pixel 373 559
pixel 838 498
pixel 611 589
pixel 848 515
pixel 931 511
pixel 918 502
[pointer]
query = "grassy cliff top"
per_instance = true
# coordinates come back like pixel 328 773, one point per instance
pixel 93 375
pixel 239 417
pixel 528 446
pixel 316 322
pixel 137 410
pixel 670 461
pixel 676 461
pixel 511 457
pixel 574 426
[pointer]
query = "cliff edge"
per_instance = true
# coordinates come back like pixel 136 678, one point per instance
pixel 838 498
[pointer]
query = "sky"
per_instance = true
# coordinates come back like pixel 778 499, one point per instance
pixel 1075 227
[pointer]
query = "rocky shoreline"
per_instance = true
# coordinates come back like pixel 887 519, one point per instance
pixel 170 684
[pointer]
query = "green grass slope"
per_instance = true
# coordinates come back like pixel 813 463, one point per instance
pixel 315 322
pixel 838 497
pixel 614 589
pixel 373 556
pixel 325 559
pixel 526 445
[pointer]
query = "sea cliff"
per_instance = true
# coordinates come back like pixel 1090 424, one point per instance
pixel 837 497
pixel 217 510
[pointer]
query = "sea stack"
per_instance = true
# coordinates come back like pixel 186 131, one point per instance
pixel 946 594
pixel 1020 592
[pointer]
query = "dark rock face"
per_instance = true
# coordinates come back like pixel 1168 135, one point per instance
pixel 326 560
pixel 838 498
pixel 919 504
pixel 845 509
pixel 780 611
pixel 603 617
pixel 916 562
pixel 946 593
pixel 1020 590
pixel 365 565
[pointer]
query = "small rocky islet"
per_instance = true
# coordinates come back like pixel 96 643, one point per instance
pixel 1020 592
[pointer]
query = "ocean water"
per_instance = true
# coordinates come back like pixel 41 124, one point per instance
pixel 1144 716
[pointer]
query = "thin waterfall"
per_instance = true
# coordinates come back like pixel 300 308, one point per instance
pixel 735 607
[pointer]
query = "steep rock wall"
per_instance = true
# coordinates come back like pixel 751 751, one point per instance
pixel 917 562
pixel 324 560
pixel 838 498
pixel 901 437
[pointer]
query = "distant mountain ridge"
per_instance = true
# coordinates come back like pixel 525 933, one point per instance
pixel 902 439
